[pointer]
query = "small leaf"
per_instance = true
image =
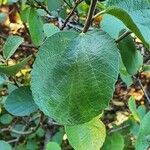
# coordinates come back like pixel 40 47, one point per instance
pixel 54 4
pixel 58 136
pixel 124 75
pixel 12 70
pixel 3 17
pixel 143 139
pixel 115 141
pixel 53 146
pixel 20 102
pixel 131 58
pixel 146 68
pixel 35 27
pixel 6 119
pixel 87 136
pixel 5 146
pixel 50 29
pixel 11 45
pixel 133 109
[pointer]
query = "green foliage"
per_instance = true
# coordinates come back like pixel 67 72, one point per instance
pixel 76 75
pixel 5 146
pixel 142 142
pixel 133 109
pixel 53 146
pixel 11 46
pixel 50 29
pixel 12 70
pixel 6 119
pixel 54 5
pixel 35 27
pixel 114 141
pixel 131 58
pixel 87 136
pixel 137 12
pixel 20 102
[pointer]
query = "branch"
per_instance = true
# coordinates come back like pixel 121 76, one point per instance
pixel 142 87
pixel 125 34
pixel 77 2
pixel 118 129
pixel 90 15
pixel 33 130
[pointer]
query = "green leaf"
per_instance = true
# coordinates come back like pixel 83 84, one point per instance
pixel 32 145
pixel 11 45
pixel 12 70
pixel 3 17
pixel 50 29
pixel 79 75
pixel 115 141
pixel 2 79
pixel 133 109
pixel 124 75
pixel 35 27
pixel 131 58
pixel 5 146
pixel 20 102
pixel 134 14
pixel 58 136
pixel 53 146
pixel 112 25
pixel 141 111
pixel 87 136
pixel 40 132
pixel 24 14
pixel 146 68
pixel 143 139
pixel 54 4
pixel 6 119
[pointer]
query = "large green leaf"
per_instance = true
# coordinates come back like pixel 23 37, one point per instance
pixel 20 102
pixel 11 45
pixel 134 14
pixel 131 58
pixel 73 76
pixel 5 146
pixel 114 141
pixel 87 136
pixel 143 139
pixel 12 70
pixel 35 27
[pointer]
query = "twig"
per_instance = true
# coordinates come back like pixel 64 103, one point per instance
pixel 142 87
pixel 118 129
pixel 90 15
pixel 33 130
pixel 125 34
pixel 77 2
pixel 13 140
